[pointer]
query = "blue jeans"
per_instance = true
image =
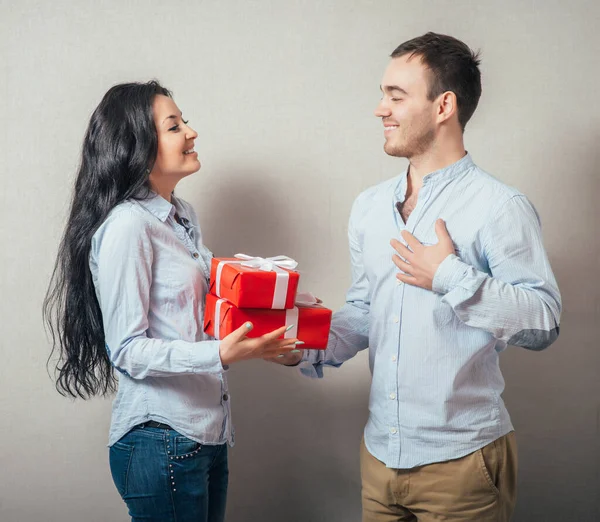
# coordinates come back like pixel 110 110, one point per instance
pixel 165 477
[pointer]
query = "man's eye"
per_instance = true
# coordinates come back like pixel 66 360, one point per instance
pixel 396 99
pixel 176 127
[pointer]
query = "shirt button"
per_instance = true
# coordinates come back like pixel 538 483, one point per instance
pixel 394 358
pixel 225 397
pixel 393 430
pixel 398 282
pixel 195 255
pixel 392 396
pixel 396 319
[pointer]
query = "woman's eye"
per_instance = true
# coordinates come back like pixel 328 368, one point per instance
pixel 176 127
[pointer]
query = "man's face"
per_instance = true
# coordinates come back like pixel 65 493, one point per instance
pixel 407 114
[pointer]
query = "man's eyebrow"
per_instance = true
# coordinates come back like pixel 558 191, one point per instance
pixel 389 88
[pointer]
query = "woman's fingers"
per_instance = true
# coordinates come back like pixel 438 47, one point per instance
pixel 269 345
pixel 271 336
pixel 240 334
pixel 279 347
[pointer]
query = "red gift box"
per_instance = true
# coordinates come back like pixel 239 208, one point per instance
pixel 312 322
pixel 255 282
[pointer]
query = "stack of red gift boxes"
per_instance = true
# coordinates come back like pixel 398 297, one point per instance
pixel 264 292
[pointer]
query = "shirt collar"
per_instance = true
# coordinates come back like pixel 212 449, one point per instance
pixel 462 165
pixel 157 206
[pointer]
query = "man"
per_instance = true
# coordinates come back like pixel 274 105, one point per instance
pixel 467 275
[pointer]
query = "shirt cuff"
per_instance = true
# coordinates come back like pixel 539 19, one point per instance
pixel 314 371
pixel 309 365
pixel 205 358
pixel 447 276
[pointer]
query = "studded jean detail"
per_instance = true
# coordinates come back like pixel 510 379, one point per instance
pixel 164 476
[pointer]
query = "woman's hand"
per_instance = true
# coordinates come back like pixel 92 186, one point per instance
pixel 237 347
pixel 292 358
pixel 286 359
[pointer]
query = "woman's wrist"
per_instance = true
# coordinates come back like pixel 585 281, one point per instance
pixel 224 354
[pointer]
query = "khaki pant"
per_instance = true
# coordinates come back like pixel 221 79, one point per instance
pixel 481 487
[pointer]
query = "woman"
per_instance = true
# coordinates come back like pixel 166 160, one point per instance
pixel 128 293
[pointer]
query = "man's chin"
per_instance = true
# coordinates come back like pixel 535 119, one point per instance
pixel 390 150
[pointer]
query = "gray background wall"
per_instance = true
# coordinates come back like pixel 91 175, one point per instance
pixel 282 95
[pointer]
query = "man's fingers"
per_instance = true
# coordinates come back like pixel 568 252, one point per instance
pixel 402 265
pixel 401 249
pixel 412 241
pixel 443 236
pixel 441 231
pixel 408 279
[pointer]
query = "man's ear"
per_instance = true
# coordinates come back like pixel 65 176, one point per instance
pixel 446 106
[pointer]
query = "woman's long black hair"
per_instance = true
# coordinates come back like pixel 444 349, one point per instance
pixel 119 150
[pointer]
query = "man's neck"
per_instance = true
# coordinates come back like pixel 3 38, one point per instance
pixel 434 159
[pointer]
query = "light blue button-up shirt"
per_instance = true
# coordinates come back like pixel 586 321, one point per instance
pixel 436 382
pixel 151 278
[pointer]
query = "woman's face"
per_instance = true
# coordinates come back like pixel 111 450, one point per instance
pixel 176 157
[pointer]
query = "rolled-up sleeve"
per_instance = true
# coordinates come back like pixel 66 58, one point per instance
pixel 519 303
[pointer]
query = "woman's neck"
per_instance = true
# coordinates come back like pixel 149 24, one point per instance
pixel 164 188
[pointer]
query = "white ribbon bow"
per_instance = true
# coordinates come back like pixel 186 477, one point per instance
pixel 268 264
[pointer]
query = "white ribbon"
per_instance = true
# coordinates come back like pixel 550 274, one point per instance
pixel 217 328
pixel 291 315
pixel 306 299
pixel 268 264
